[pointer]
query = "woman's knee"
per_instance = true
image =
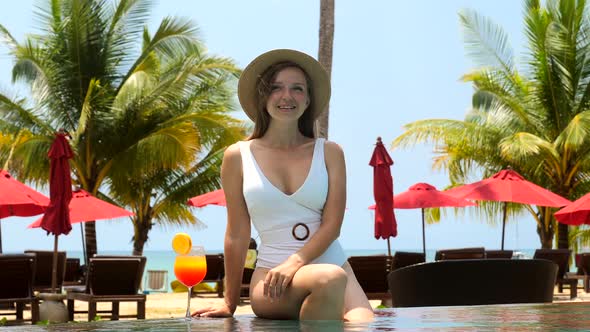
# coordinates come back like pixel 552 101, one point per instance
pixel 329 277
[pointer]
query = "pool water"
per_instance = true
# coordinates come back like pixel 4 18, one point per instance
pixel 523 317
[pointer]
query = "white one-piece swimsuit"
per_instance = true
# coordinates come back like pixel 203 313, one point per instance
pixel 286 222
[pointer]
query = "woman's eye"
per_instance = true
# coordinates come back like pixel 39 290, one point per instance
pixel 275 88
pixel 298 88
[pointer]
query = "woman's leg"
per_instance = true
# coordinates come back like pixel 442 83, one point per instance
pixel 315 293
pixel 356 305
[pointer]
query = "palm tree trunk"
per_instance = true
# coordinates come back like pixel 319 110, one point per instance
pixel 142 229
pixel 545 229
pixel 326 40
pixel 90 231
pixel 562 236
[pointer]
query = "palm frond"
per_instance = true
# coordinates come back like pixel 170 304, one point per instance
pixel 486 42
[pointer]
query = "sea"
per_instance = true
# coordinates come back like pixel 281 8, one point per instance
pixel 164 259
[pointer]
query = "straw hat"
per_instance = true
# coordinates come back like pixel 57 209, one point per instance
pixel 248 95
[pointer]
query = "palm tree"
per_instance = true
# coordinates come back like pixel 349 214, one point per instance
pixel 326 42
pixel 154 106
pixel 535 120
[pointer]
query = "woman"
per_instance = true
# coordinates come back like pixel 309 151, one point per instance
pixel 292 187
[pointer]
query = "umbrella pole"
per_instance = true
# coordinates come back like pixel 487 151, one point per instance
pixel 423 235
pixel 388 247
pixel 54 266
pixel 83 243
pixel 0 236
pixel 504 223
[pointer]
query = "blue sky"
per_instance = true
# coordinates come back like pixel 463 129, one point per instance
pixel 394 62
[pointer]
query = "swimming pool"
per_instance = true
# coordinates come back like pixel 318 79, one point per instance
pixel 573 316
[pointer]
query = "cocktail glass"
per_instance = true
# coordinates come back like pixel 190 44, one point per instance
pixel 190 269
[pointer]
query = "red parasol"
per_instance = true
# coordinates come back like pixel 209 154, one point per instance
pixel 216 197
pixel 17 199
pixel 56 219
pixel 576 213
pixel 508 186
pixel 85 207
pixel 424 195
pixel 385 224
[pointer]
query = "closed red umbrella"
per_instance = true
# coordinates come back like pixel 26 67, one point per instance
pixel 56 219
pixel 424 195
pixel 216 197
pixel 576 213
pixel 508 186
pixel 18 199
pixel 385 224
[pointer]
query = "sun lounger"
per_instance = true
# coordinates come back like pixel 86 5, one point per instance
pixel 460 253
pixel 473 282
pixel 405 258
pixel 215 274
pixel 504 254
pixel 561 258
pixel 111 279
pixel 249 267
pixel 371 273
pixel 16 284
pixel 44 268
pixel 73 274
pixel 583 273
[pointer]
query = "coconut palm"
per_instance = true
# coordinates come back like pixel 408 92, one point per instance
pixel 152 106
pixel 326 42
pixel 535 120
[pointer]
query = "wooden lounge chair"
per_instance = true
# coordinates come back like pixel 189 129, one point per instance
pixel 215 274
pixel 473 282
pixel 245 287
pixel 44 268
pixel 405 258
pixel 371 273
pixel 460 253
pixel 17 273
pixel 73 275
pixel 503 254
pixel 583 273
pixel 250 266
pixel 561 258
pixel 111 279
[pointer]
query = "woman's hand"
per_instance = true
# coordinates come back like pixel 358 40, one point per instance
pixel 279 278
pixel 223 310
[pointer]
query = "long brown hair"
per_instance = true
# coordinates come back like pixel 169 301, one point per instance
pixel 263 89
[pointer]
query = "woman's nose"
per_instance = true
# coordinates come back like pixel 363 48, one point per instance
pixel 285 93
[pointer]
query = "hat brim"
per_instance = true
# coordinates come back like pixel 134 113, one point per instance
pixel 248 95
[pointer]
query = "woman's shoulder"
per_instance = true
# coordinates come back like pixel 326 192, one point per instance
pixel 331 147
pixel 232 154
pixel 333 153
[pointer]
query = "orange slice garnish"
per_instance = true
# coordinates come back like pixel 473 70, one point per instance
pixel 182 243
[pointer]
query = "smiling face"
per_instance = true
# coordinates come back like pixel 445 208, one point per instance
pixel 288 98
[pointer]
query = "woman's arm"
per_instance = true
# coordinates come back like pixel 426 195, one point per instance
pixel 279 278
pixel 237 233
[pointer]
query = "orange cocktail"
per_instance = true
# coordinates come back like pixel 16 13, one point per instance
pixel 189 269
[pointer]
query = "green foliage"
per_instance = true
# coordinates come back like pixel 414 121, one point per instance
pixel 148 114
pixel 45 322
pixel 535 120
